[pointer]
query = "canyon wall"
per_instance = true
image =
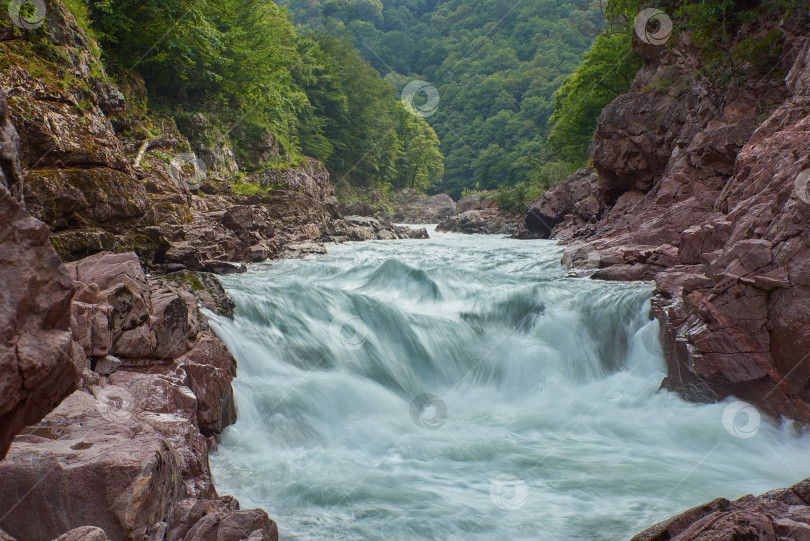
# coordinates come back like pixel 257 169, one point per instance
pixel 703 188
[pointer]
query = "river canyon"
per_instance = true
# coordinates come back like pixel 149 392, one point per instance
pixel 467 387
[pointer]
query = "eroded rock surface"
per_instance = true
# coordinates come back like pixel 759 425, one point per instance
pixel 128 450
pixel 779 514
pixel 412 207
pixel 40 363
pixel 693 191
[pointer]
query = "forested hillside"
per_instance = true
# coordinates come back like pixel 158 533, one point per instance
pixel 495 64
pixel 241 63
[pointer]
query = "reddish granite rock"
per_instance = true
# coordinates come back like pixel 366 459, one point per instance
pixel 90 462
pixel 688 184
pixel 84 533
pixel 40 363
pixel 571 198
pixel 216 520
pixel 210 368
pixel 779 514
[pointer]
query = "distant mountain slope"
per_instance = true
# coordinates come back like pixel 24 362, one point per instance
pixel 495 64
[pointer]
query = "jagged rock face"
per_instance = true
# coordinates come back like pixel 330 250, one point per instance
pixel 11 177
pixel 779 514
pixel 128 451
pixel 100 466
pixel 40 363
pixel 573 199
pixel 748 332
pixel 714 206
pixel 79 180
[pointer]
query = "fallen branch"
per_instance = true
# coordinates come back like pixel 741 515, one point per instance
pixel 142 147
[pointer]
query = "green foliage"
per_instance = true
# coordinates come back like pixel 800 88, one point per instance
pixel 606 72
pixel 516 197
pixel 714 24
pixel 248 188
pixel 495 64
pixel 241 63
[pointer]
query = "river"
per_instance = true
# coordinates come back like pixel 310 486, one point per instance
pixel 465 387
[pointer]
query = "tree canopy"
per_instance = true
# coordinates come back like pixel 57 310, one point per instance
pixel 242 63
pixel 495 64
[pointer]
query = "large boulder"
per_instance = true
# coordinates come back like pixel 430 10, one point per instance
pixel 414 208
pixel 91 462
pixel 573 197
pixel 489 221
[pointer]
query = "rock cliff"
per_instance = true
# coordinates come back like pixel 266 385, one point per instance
pixel 703 189
pixel 106 174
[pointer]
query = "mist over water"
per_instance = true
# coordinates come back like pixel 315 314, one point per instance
pixel 465 388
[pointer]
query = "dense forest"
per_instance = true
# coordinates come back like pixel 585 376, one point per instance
pixel 242 64
pixel 495 64
pixel 514 89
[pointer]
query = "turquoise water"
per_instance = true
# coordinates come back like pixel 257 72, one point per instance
pixel 465 388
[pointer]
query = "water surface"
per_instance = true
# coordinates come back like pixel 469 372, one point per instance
pixel 465 388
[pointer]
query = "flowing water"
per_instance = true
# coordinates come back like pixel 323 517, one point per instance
pixel 465 388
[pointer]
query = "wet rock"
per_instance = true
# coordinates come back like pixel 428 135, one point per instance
pixel 204 520
pixel 211 368
pixel 206 289
pixel 300 250
pixel 779 514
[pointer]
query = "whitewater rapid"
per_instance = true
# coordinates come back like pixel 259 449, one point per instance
pixel 464 388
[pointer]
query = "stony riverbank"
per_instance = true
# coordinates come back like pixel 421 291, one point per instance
pixel 110 378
